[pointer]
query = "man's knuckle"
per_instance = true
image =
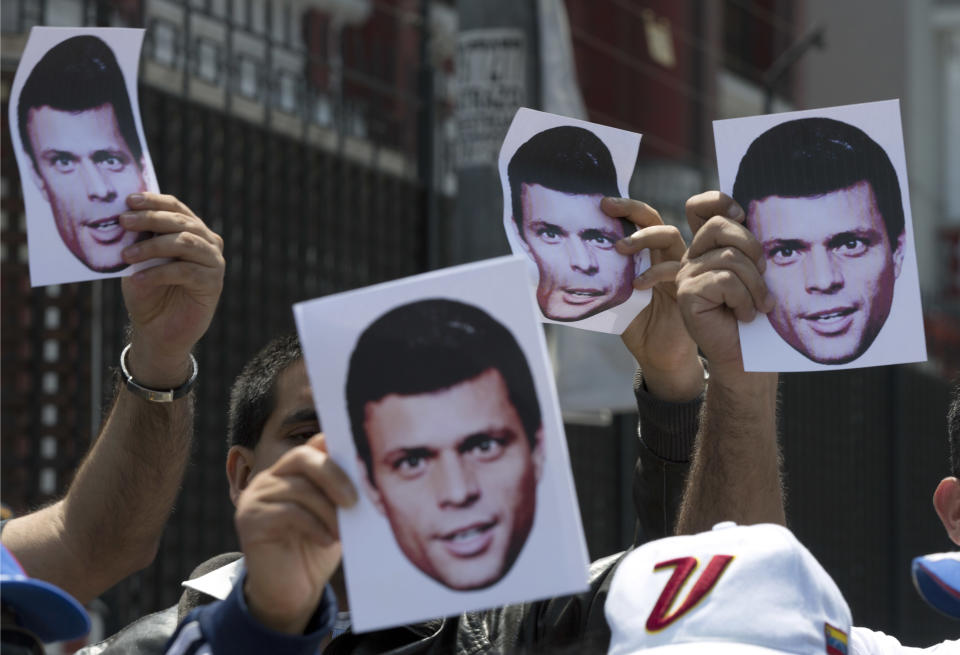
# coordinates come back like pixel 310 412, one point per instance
pixel 183 240
pixel 728 257
pixel 725 277
pixel 713 225
pixel 653 211
pixel 693 202
pixel 290 459
pixel 671 232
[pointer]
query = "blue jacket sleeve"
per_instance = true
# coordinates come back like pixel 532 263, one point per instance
pixel 227 627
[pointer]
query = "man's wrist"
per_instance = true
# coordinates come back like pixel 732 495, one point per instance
pixel 749 394
pixel 288 621
pixel 158 371
pixel 154 394
pixel 735 380
pixel 679 384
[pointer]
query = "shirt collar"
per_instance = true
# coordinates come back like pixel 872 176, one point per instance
pixel 218 582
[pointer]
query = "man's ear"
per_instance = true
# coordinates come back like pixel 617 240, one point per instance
pixel 539 453
pixel 240 461
pixel 370 488
pixel 946 500
pixel 898 254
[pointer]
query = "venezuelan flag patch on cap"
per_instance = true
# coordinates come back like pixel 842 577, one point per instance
pixel 836 640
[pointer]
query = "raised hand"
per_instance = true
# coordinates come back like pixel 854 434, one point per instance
pixel 657 337
pixel 171 304
pixel 287 524
pixel 721 279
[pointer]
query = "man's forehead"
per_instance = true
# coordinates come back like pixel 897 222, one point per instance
pixel 302 414
pixel 445 416
pixel 572 210
pixel 74 130
pixel 41 110
pixel 291 394
pixel 861 190
pixel 846 206
pixel 530 190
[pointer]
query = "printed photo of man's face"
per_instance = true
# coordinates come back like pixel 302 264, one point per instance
pixel 831 267
pixel 447 455
pixel 77 127
pixel 456 476
pixel 572 242
pixel 830 222
pixel 557 179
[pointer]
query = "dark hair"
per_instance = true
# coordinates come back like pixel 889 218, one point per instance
pixel 953 430
pixel 253 394
pixel 566 158
pixel 431 345
pixel 814 156
pixel 75 75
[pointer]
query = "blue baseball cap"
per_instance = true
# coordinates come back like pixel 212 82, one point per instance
pixel 40 607
pixel 937 578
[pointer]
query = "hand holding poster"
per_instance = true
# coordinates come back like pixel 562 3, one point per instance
pixel 437 400
pixel 826 196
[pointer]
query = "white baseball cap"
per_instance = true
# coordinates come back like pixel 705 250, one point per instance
pixel 734 589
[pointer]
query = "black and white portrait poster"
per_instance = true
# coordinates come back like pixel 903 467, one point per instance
pixel 436 398
pixel 79 143
pixel 825 193
pixel 554 172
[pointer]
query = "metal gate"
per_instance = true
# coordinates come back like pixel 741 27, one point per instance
pixel 307 205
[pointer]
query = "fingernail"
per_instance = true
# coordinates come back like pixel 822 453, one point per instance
pixel 131 251
pixel 762 264
pixel 128 217
pixel 135 199
pixel 616 201
pixel 734 211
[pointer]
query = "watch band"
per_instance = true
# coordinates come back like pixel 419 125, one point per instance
pixel 157 395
